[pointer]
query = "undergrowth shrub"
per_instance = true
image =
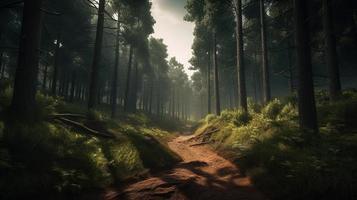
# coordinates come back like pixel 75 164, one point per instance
pixel 338 115
pixel 288 113
pixel 45 104
pixel 95 115
pixel 241 118
pixel 237 117
pixel 43 157
pixel 272 110
pixel 209 118
pixel 253 107
pixel 52 160
pixel 282 161
pixel 5 97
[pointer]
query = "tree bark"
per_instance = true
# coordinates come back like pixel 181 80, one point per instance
pixel 306 99
pixel 290 66
pixel 55 66
pixel 172 101
pixel 73 82
pixel 242 92
pixel 331 52
pixel 44 82
pixel 265 67
pixel 1 61
pixel 93 88
pixel 25 86
pixel 1 57
pixel 67 91
pixel 255 73
pixel 209 81
pixel 115 74
pixel 216 78
pixel 158 98
pixel 128 78
pixel 151 95
pixel 134 92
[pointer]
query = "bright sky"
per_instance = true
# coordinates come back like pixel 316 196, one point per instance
pixel 170 26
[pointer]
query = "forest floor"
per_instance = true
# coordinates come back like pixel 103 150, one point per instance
pixel 202 174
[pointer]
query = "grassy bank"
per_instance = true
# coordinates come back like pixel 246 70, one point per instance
pixel 49 159
pixel 284 162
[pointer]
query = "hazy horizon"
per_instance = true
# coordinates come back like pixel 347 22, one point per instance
pixel 176 33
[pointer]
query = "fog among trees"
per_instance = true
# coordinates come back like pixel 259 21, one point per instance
pixel 93 106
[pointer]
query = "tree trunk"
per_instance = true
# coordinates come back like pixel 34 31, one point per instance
pixel 209 81
pixel 66 91
pixel 158 99
pixel 151 96
pixel 23 101
pixel 255 73
pixel 114 94
pixel 55 66
pixel 291 70
pixel 128 78
pixel 44 82
pixel 2 75
pixel 93 88
pixel 1 61
pixel 77 92
pixel 242 93
pixel 331 52
pixel 134 92
pixel 172 101
pixel 1 57
pixel 306 99
pixel 216 81
pixel 265 67
pixel 73 82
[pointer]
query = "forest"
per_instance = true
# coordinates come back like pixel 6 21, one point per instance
pixel 95 104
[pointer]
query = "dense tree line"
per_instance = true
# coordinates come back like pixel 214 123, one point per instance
pixel 98 53
pixel 101 53
pixel 274 41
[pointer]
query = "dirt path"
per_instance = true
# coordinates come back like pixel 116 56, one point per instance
pixel 202 175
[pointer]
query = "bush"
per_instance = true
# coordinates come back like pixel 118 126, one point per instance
pixel 322 97
pixel 236 117
pixel 5 97
pixel 241 118
pixel 272 110
pixel 227 116
pixel 46 158
pixel 46 105
pixel 282 161
pixel 50 160
pixel 209 118
pixel 254 107
pixel 339 115
pixel 288 113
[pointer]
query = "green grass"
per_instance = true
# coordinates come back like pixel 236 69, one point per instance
pixel 284 162
pixel 48 159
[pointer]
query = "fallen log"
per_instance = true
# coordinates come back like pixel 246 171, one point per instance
pixel 204 135
pixel 84 128
pixel 71 115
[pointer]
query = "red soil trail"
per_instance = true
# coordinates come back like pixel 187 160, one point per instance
pixel 201 175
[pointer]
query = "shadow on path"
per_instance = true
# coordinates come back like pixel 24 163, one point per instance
pixel 201 175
